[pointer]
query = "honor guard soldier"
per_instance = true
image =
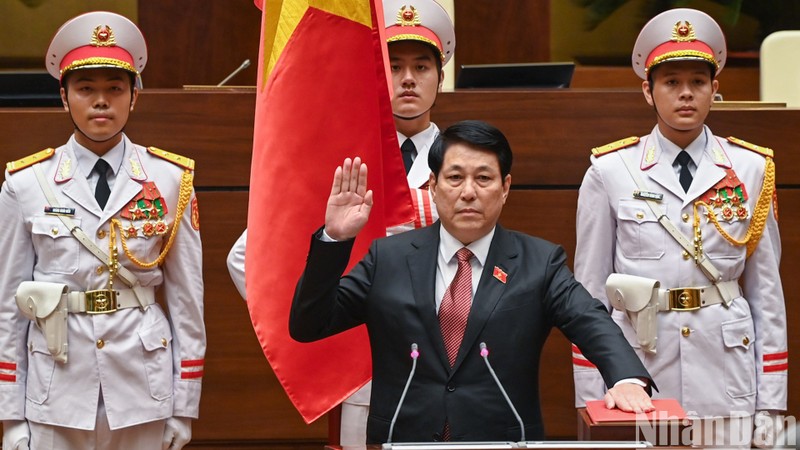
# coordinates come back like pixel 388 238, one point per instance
pixel 421 40
pixel 678 232
pixel 91 230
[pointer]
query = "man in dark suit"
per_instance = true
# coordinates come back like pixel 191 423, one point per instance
pixel 449 287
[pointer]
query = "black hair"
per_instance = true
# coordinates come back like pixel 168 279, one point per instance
pixel 473 133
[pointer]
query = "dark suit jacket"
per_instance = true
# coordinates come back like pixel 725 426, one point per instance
pixel 392 290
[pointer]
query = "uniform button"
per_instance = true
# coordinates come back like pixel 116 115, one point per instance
pixel 100 270
pixel 101 234
pixel 54 231
pixel 164 342
pixel 685 217
pixel 451 387
pixel 639 215
pixel 100 343
pixel 685 331
pixel 686 255
pixel 746 341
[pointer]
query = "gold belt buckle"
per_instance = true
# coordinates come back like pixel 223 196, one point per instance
pixel 684 299
pixel 101 301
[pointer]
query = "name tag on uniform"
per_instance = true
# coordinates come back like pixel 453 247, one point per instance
pixel 59 211
pixel 647 195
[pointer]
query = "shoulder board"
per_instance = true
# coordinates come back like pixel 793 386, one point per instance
pixel 30 160
pixel 753 147
pixel 186 163
pixel 614 146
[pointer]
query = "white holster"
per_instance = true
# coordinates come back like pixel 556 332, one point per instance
pixel 637 297
pixel 43 303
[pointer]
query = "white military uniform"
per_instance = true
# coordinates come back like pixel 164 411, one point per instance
pixel 143 366
pixel 716 360
pixel 720 346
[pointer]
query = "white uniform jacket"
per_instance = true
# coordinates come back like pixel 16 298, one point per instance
pixel 147 367
pixel 716 360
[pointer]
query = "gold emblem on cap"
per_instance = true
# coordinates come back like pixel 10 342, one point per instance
pixel 683 32
pixel 103 36
pixel 408 16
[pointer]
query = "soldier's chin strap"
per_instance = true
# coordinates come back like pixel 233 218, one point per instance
pixel 89 137
pixel 127 277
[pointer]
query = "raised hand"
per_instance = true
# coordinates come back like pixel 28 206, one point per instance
pixel 350 202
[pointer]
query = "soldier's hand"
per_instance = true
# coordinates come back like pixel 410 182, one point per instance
pixel 177 433
pixel 629 397
pixel 16 435
pixel 350 202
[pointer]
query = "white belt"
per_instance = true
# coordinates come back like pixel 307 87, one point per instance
pixel 692 298
pixel 104 301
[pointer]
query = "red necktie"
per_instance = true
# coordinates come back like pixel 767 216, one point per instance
pixel 454 310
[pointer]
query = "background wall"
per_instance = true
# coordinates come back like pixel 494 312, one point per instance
pixel 26 26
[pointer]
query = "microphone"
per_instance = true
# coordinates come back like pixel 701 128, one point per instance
pixel 414 356
pixel 485 355
pixel 245 64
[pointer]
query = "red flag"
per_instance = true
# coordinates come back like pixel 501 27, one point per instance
pixel 322 96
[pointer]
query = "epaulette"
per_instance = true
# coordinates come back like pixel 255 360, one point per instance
pixel 753 147
pixel 29 160
pixel 186 163
pixel 614 146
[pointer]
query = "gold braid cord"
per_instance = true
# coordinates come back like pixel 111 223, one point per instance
pixel 759 216
pixel 183 200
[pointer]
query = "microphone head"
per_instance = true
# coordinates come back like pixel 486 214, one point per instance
pixel 414 352
pixel 484 350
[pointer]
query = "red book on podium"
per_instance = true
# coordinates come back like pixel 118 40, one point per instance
pixel 662 426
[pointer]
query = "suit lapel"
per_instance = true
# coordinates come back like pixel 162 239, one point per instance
pixel 503 255
pixel 422 268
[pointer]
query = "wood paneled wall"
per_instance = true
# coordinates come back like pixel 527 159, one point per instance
pixel 551 133
pixel 200 42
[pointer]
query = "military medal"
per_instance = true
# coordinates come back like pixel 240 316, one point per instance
pixel 727 199
pixel 148 206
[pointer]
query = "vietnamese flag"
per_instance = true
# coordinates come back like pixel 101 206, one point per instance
pixel 322 95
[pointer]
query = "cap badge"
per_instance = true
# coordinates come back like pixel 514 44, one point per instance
pixel 408 16
pixel 103 36
pixel 683 32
